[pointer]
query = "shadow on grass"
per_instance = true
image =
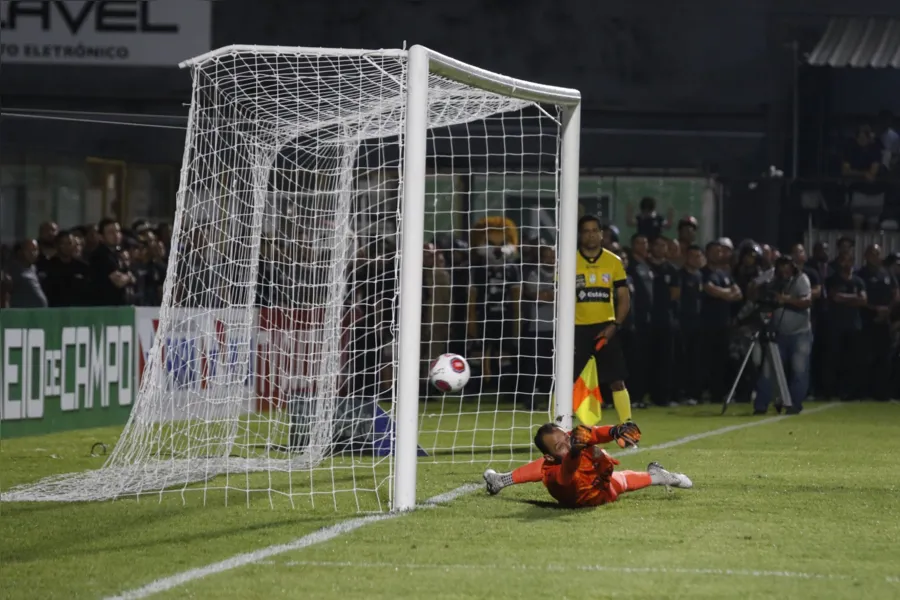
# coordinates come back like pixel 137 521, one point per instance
pixel 66 529
pixel 537 510
pixel 73 530
pixel 546 505
pixel 211 535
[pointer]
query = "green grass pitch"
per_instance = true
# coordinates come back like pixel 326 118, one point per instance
pixel 801 507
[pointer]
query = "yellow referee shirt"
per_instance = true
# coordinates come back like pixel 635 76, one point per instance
pixel 595 282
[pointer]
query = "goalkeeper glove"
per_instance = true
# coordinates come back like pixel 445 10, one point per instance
pixel 626 434
pixel 580 438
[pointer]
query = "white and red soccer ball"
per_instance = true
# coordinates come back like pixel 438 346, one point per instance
pixel 449 373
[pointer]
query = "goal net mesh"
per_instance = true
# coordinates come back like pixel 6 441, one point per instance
pixel 273 370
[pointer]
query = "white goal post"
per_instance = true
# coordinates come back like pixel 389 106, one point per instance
pixel 287 357
pixel 422 63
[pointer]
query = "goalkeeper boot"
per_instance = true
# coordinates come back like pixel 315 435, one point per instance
pixel 660 476
pixel 496 481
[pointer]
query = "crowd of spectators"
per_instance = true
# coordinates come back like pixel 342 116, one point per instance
pixel 866 194
pixel 90 265
pixel 694 312
pixel 491 297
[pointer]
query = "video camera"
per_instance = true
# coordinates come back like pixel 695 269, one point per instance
pixel 767 301
pixel 759 311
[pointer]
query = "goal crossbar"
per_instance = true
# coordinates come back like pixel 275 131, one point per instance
pixel 439 64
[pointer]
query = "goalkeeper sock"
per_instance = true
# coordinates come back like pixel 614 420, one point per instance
pixel 628 481
pixel 622 402
pixel 533 472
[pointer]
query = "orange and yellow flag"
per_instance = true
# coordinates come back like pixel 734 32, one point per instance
pixel 586 395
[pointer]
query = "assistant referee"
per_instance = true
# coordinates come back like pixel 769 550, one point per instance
pixel 602 302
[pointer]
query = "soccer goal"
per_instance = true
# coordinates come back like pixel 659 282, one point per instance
pixel 343 218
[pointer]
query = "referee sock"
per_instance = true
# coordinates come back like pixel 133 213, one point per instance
pixel 622 402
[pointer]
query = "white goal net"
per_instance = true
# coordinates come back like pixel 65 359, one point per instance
pixel 338 213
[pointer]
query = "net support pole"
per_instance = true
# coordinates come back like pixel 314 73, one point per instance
pixel 567 234
pixel 412 232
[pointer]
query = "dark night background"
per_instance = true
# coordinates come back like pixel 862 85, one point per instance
pixel 702 85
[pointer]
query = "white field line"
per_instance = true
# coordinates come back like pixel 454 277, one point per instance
pixel 723 430
pixel 316 537
pixel 328 533
pixel 574 569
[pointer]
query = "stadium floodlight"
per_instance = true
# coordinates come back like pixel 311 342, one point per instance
pixel 287 360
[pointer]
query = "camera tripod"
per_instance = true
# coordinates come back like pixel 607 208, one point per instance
pixel 765 338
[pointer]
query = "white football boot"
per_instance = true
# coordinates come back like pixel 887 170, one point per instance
pixel 667 478
pixel 494 482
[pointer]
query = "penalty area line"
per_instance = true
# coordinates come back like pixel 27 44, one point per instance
pixel 329 533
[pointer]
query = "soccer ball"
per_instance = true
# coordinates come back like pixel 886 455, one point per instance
pixel 449 373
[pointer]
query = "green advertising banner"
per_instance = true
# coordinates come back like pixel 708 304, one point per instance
pixel 530 201
pixel 65 369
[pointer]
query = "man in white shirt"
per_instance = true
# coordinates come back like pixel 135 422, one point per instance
pixel 890 139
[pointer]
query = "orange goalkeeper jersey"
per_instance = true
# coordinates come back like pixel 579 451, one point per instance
pixel 575 482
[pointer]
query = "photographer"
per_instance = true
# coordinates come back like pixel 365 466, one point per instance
pixel 790 292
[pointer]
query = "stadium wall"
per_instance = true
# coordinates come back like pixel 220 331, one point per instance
pixel 647 66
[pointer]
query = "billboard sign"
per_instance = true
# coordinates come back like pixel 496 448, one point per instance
pixel 222 358
pixel 104 32
pixel 65 369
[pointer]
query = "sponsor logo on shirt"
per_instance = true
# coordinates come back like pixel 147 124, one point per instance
pixel 594 295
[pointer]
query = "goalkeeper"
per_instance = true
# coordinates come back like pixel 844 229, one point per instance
pixel 578 473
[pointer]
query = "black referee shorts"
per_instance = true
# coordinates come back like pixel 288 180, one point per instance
pixel 611 365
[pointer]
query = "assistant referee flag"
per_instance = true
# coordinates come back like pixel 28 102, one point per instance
pixel 586 395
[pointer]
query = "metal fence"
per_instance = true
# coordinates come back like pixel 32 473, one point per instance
pixel 888 240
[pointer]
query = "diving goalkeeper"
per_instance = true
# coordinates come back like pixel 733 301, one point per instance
pixel 578 473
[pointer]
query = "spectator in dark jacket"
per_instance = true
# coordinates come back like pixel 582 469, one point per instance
pixel 134 288
pixel 46 246
pixel 846 296
pixel 5 289
pixel 26 286
pixel 92 240
pixel 149 270
pixel 111 278
pixel 67 281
